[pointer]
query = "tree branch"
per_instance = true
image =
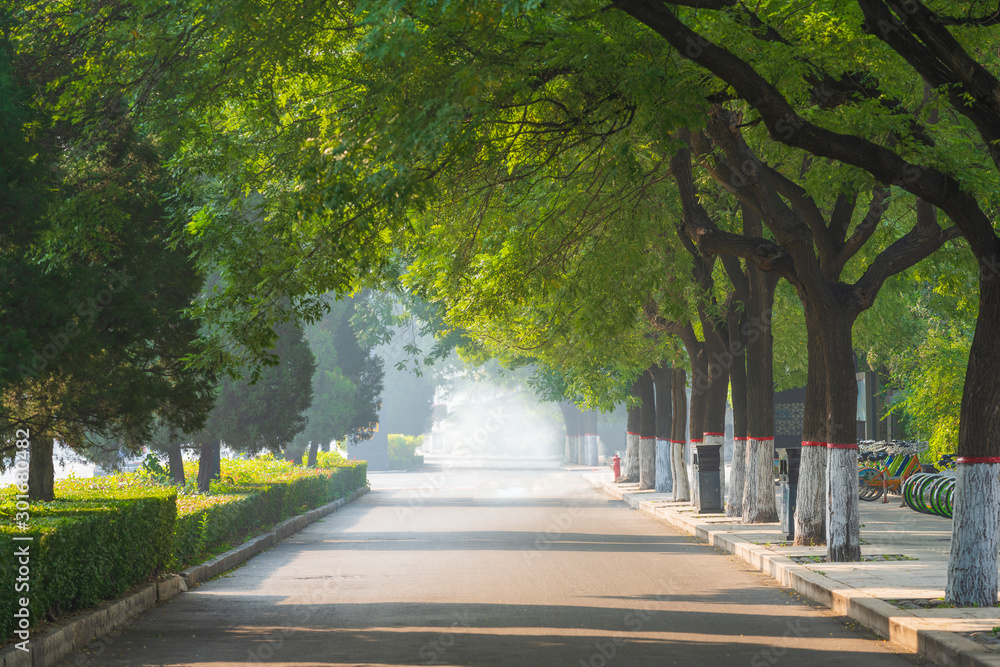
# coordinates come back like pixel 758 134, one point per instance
pixel 788 127
pixel 876 209
pixel 914 246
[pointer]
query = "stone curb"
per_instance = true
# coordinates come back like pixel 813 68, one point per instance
pixel 899 626
pixel 101 624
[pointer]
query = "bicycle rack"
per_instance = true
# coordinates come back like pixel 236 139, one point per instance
pixel 930 494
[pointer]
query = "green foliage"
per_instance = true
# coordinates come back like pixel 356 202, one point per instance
pixel 94 285
pixel 151 467
pixel 251 497
pixel 934 380
pixel 347 384
pixel 266 414
pixel 101 537
pixel 401 451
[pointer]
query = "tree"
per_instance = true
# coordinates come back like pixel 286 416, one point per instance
pixel 662 378
pixel 266 414
pixel 647 431
pixel 347 385
pixel 92 267
pixel 920 38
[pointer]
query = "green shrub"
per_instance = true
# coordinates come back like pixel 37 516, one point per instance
pixel 252 496
pixel 97 539
pixel 103 535
pixel 401 451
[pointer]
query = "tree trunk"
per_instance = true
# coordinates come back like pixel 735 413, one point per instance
pixel 682 487
pixel 715 405
pixel 209 464
pixel 175 459
pixel 664 464
pixel 630 466
pixel 758 493
pixel 313 453
pixel 569 419
pixel 578 438
pixel 647 432
pixel 972 565
pixel 810 510
pixel 843 536
pixel 701 382
pixel 590 437
pixel 41 469
pixel 738 381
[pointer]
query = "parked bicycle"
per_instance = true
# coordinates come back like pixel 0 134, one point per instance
pixel 885 466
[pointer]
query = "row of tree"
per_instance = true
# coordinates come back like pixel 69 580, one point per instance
pixel 597 190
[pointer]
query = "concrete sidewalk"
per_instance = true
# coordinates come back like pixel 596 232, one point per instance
pixel 861 591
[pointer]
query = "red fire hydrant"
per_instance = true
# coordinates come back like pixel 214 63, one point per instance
pixel 616 466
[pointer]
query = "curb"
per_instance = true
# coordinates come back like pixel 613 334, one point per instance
pixel 57 643
pixel 899 626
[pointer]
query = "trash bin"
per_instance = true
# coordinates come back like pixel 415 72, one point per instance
pixel 707 468
pixel 788 480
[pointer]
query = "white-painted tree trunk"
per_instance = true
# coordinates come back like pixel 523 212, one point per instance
pixel 810 506
pixel 664 474
pixel 592 449
pixel 842 522
pixel 694 473
pixel 647 463
pixel 975 536
pixel 720 440
pixel 682 491
pixel 758 488
pixel 630 466
pixel 734 500
pixel 568 456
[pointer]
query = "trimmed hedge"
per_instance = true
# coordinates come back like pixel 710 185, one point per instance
pixel 87 546
pixel 103 535
pixel 401 451
pixel 253 496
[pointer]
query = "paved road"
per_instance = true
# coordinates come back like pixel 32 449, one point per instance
pixel 490 567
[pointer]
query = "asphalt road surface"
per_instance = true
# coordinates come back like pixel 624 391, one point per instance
pixel 455 566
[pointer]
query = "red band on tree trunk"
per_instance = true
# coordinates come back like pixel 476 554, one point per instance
pixel 696 440
pixel 630 433
pixel 813 443
pixel 762 439
pixel 679 442
pixel 978 459
pixel 847 446
pixel 722 434
pixel 740 437
pixel 650 437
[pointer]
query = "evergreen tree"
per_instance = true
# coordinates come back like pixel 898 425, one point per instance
pixel 265 413
pixel 347 386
